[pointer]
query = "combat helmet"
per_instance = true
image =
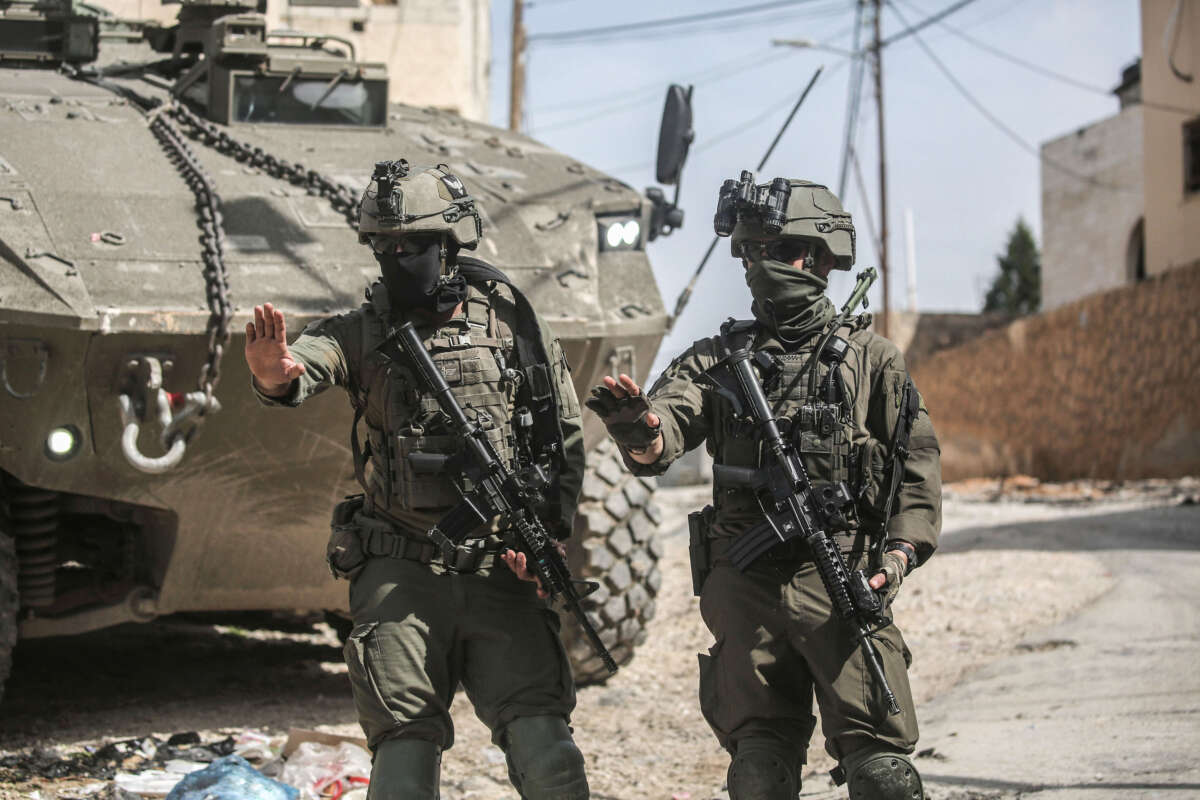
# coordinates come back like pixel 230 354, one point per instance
pixel 810 213
pixel 433 200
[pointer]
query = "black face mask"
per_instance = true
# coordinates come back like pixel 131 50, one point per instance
pixel 415 281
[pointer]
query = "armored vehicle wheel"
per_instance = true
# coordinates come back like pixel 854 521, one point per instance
pixel 615 544
pixel 8 603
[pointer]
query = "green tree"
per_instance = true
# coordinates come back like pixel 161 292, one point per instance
pixel 1018 287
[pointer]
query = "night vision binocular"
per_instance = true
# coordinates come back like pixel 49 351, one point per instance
pixel 766 204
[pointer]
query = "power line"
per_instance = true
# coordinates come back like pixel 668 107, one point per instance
pixel 640 100
pixel 652 89
pixel 663 22
pixel 717 138
pixel 995 120
pixel 1049 73
pixel 853 100
pixel 911 30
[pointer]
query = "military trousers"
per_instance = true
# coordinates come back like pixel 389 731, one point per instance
pixel 421 631
pixel 778 645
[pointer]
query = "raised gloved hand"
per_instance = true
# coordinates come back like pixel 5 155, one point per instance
pixel 890 575
pixel 625 411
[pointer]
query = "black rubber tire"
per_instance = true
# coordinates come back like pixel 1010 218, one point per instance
pixel 616 544
pixel 8 605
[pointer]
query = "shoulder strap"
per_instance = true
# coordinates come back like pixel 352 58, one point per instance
pixel 531 353
pixel 910 406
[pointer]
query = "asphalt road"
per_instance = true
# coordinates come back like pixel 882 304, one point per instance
pixel 1103 705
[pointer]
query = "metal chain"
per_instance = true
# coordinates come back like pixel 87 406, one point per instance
pixel 340 196
pixel 212 240
pixel 208 205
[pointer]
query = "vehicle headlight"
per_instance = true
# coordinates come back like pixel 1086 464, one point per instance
pixel 620 233
pixel 62 443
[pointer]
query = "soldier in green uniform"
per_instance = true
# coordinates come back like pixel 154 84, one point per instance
pixel 778 642
pixel 426 621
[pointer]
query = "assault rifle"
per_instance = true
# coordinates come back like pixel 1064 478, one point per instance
pixel 498 492
pixel 792 506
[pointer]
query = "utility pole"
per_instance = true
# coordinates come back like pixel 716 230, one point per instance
pixel 516 72
pixel 877 70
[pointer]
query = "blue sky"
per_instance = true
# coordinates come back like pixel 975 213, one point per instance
pixel 964 180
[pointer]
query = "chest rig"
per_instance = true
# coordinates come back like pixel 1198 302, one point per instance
pixel 414 458
pixel 813 409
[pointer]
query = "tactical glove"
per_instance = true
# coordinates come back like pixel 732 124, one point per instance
pixel 894 568
pixel 625 417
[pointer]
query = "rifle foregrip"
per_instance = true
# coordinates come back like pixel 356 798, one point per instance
pixel 833 574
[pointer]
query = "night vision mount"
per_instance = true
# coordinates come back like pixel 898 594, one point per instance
pixel 386 174
pixel 743 199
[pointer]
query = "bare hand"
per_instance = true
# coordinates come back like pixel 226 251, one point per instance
pixel 520 566
pixel 267 352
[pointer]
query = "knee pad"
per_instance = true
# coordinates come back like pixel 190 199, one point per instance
pixel 764 769
pixel 879 774
pixel 405 769
pixel 543 761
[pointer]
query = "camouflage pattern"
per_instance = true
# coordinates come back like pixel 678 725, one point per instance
pixel 814 214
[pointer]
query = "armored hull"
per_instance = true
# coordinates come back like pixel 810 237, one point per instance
pixel 101 274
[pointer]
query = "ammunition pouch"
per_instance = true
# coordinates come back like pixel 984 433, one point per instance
pixel 699 526
pixel 344 553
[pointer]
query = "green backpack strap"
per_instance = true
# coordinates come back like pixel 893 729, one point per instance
pixel 531 353
pixel 910 406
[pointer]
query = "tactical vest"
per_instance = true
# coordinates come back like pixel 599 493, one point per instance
pixel 831 443
pixel 414 457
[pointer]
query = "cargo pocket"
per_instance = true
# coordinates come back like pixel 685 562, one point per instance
pixel 710 690
pixel 566 677
pixel 373 711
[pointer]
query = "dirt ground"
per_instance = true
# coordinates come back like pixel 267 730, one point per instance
pixel 642 732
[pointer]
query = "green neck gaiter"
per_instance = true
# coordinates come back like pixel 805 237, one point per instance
pixel 790 301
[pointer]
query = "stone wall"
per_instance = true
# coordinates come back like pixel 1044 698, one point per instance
pixel 1105 387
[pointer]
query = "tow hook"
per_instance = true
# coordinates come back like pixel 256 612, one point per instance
pixel 177 414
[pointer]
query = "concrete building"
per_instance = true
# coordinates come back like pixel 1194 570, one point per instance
pixel 437 51
pixel 1171 92
pixel 1121 197
pixel 1092 203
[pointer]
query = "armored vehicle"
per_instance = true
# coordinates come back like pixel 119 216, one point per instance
pixel 155 183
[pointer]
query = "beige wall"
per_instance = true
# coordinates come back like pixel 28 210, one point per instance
pixel 1172 219
pixel 437 51
pixel 1105 387
pixel 1086 229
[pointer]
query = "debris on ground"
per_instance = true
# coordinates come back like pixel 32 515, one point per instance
pixel 1028 489
pixel 231 778
pixel 324 771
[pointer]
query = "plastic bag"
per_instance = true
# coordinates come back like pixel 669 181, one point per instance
pixel 323 772
pixel 156 781
pixel 230 778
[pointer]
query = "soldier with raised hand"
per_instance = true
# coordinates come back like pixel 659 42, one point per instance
pixel 858 422
pixel 426 620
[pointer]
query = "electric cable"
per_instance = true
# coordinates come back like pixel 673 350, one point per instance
pixel 995 120
pixel 911 30
pixel 662 22
pixel 640 100
pixel 1049 73
pixel 853 99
